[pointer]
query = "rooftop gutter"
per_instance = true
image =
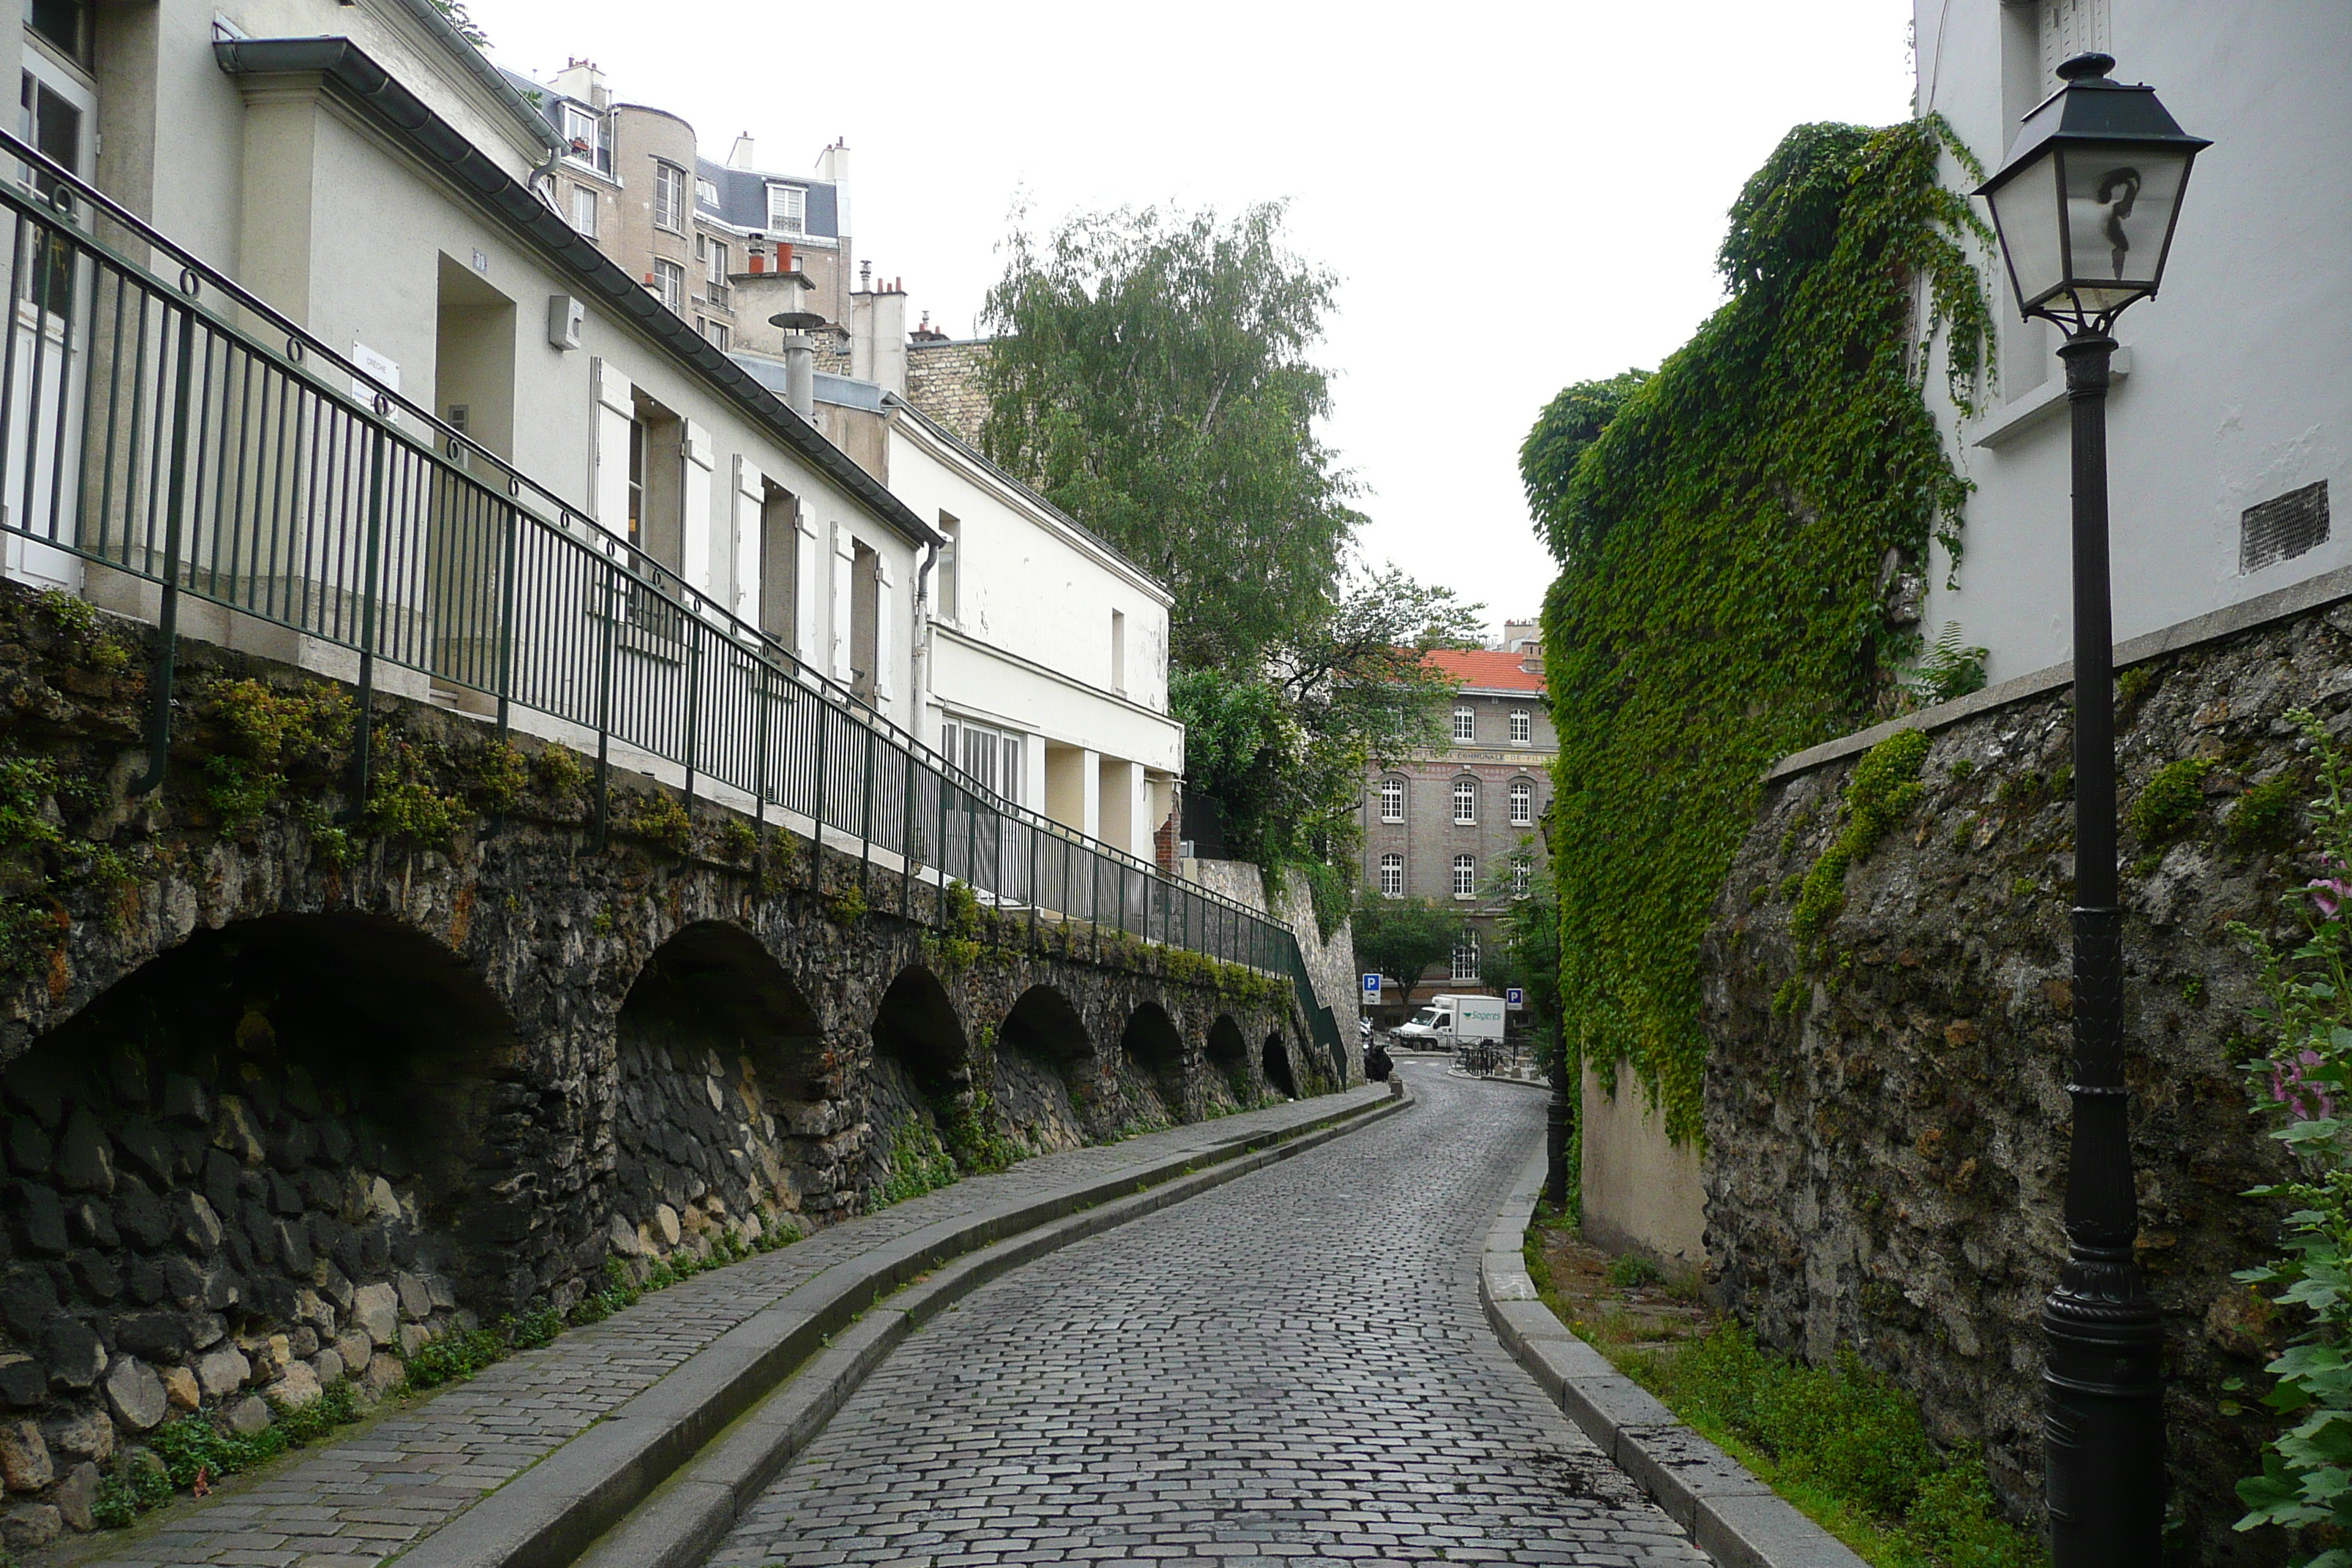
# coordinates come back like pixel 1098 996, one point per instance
pixel 429 16
pixel 380 96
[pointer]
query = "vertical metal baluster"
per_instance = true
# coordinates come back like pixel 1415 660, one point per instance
pixel 908 860
pixel 866 818
pixel 19 281
pixel 365 750
pixel 816 838
pixel 613 587
pixel 1033 884
pixel 159 722
pixel 507 618
pixel 693 667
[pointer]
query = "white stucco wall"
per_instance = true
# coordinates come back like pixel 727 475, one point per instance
pixel 2237 391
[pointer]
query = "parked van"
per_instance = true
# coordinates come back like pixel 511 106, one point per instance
pixel 1449 1023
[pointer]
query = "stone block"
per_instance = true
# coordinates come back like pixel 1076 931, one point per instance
pixel 249 1416
pixel 382 1203
pixel 23 1381
pixel 185 1101
pixel 194 1224
pixel 329 1365
pixel 415 1337
pixel 81 1434
pixel 311 1309
pixel 666 1224
pixel 383 1374
pixel 180 1387
pixel 135 1393
pixel 25 1464
pixel 354 1347
pixel 40 1218
pixel 74 1496
pixel 304 1342
pixel 222 1370
pixel 375 1311
pixel 237 1131
pixel 77 1360
pixel 30 1526
pixel 621 1236
pixel 297 1387
pixel 1765 1531
pixel 416 1297
pixel 29 1148
pixel 84 1157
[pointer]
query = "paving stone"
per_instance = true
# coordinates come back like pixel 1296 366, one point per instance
pixel 1290 1368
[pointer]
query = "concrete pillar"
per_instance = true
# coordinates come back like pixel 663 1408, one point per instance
pixel 1122 810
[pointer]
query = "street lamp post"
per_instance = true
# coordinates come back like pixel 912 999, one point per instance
pixel 2084 207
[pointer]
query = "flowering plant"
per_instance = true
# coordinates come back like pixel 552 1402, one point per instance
pixel 2301 1083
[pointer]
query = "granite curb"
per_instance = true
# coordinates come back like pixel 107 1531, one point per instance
pixel 547 1515
pixel 1734 1517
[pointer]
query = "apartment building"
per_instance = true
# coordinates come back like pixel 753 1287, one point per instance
pixel 1462 823
pixel 709 240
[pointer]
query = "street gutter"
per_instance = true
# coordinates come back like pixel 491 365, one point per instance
pixel 1734 1516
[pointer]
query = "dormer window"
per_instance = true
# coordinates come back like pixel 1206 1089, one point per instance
pixel 705 195
pixel 585 131
pixel 787 209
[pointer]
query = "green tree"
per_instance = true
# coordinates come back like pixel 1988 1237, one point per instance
pixel 1283 752
pixel 1570 422
pixel 1150 377
pixel 1402 937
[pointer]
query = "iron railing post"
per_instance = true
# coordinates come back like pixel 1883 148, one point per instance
pixel 816 837
pixel 167 633
pixel 614 587
pixel 906 861
pixel 363 749
pixel 866 819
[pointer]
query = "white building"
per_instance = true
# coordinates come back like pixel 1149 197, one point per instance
pixel 2230 424
pixel 1042 651
pixel 371 176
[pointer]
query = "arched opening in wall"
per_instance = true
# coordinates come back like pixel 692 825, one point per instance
pixel 1046 1090
pixel 1228 1079
pixel 721 1122
pixel 1151 1069
pixel 919 1104
pixel 305 1126
pixel 1278 1065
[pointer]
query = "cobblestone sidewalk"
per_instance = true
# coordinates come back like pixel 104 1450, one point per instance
pixel 353 1503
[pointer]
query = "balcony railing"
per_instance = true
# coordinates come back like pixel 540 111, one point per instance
pixel 159 421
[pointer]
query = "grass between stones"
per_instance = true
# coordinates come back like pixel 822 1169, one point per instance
pixel 1840 1442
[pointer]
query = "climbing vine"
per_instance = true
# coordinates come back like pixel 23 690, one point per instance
pixel 1724 542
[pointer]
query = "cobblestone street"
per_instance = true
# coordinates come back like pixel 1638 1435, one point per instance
pixel 1291 1367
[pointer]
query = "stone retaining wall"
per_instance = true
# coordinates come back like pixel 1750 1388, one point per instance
pixel 1886 1145
pixel 284 1098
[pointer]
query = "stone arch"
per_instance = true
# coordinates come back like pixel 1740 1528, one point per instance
pixel 722 1115
pixel 1151 1066
pixel 1045 1070
pixel 1276 1056
pixel 1229 1080
pixel 919 1077
pixel 296 1132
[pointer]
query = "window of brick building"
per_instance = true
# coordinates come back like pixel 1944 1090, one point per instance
pixel 1466 723
pixel 1523 803
pixel 1465 876
pixel 1393 800
pixel 1392 875
pixel 1523 728
pixel 670 196
pixel 1465 801
pixel 1465 959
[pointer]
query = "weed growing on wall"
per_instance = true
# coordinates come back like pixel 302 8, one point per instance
pixel 1722 541
pixel 2302 1083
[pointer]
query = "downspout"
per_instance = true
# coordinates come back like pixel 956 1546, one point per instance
pixel 919 662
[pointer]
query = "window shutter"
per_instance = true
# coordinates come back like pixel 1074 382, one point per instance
pixel 697 563
pixel 608 480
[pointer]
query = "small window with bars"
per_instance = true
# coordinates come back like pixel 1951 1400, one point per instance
pixel 787 209
pixel 1392 875
pixel 1465 968
pixel 1393 800
pixel 2282 528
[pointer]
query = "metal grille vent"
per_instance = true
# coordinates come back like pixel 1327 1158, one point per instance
pixel 2282 528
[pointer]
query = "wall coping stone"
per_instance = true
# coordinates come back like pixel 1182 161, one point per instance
pixel 2247 615
pixel 548 1515
pixel 1733 1516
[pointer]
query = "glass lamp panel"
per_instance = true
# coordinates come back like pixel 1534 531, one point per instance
pixel 2026 212
pixel 2120 200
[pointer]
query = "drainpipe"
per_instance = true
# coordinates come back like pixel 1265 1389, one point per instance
pixel 919 664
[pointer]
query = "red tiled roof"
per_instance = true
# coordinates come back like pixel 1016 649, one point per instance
pixel 1488 671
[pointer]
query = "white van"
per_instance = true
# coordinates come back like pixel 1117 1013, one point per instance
pixel 1448 1023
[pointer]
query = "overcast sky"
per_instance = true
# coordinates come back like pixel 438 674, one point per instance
pixel 1514 197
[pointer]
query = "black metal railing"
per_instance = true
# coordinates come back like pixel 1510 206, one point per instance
pixel 159 421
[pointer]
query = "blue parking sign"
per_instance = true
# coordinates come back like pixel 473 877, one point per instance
pixel 1515 996
pixel 1372 984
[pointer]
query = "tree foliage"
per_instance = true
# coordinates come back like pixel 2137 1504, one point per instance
pixel 1150 377
pixel 1402 937
pixel 1721 540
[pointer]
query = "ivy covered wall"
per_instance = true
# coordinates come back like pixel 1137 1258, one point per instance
pixel 1741 538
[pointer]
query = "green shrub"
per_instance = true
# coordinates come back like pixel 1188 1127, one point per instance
pixel 501 775
pixel 1630 1272
pixel 2265 816
pixel 657 818
pixel 455 1357
pixel 920 1164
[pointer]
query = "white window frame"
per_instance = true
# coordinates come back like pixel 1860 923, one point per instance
pixel 670 197
pixel 593 208
pixel 669 284
pixel 578 119
pixel 714 262
pixel 1392 875
pixel 1465 803
pixel 706 194
pixel 787 209
pixel 1463 966
pixel 1466 723
pixel 1393 800
pixel 1523 803
pixel 1523 727
pixel 716 334
pixel 1522 874
pixel 1465 876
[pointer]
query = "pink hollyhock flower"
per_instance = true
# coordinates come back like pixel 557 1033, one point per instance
pixel 2305 1100
pixel 2333 891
